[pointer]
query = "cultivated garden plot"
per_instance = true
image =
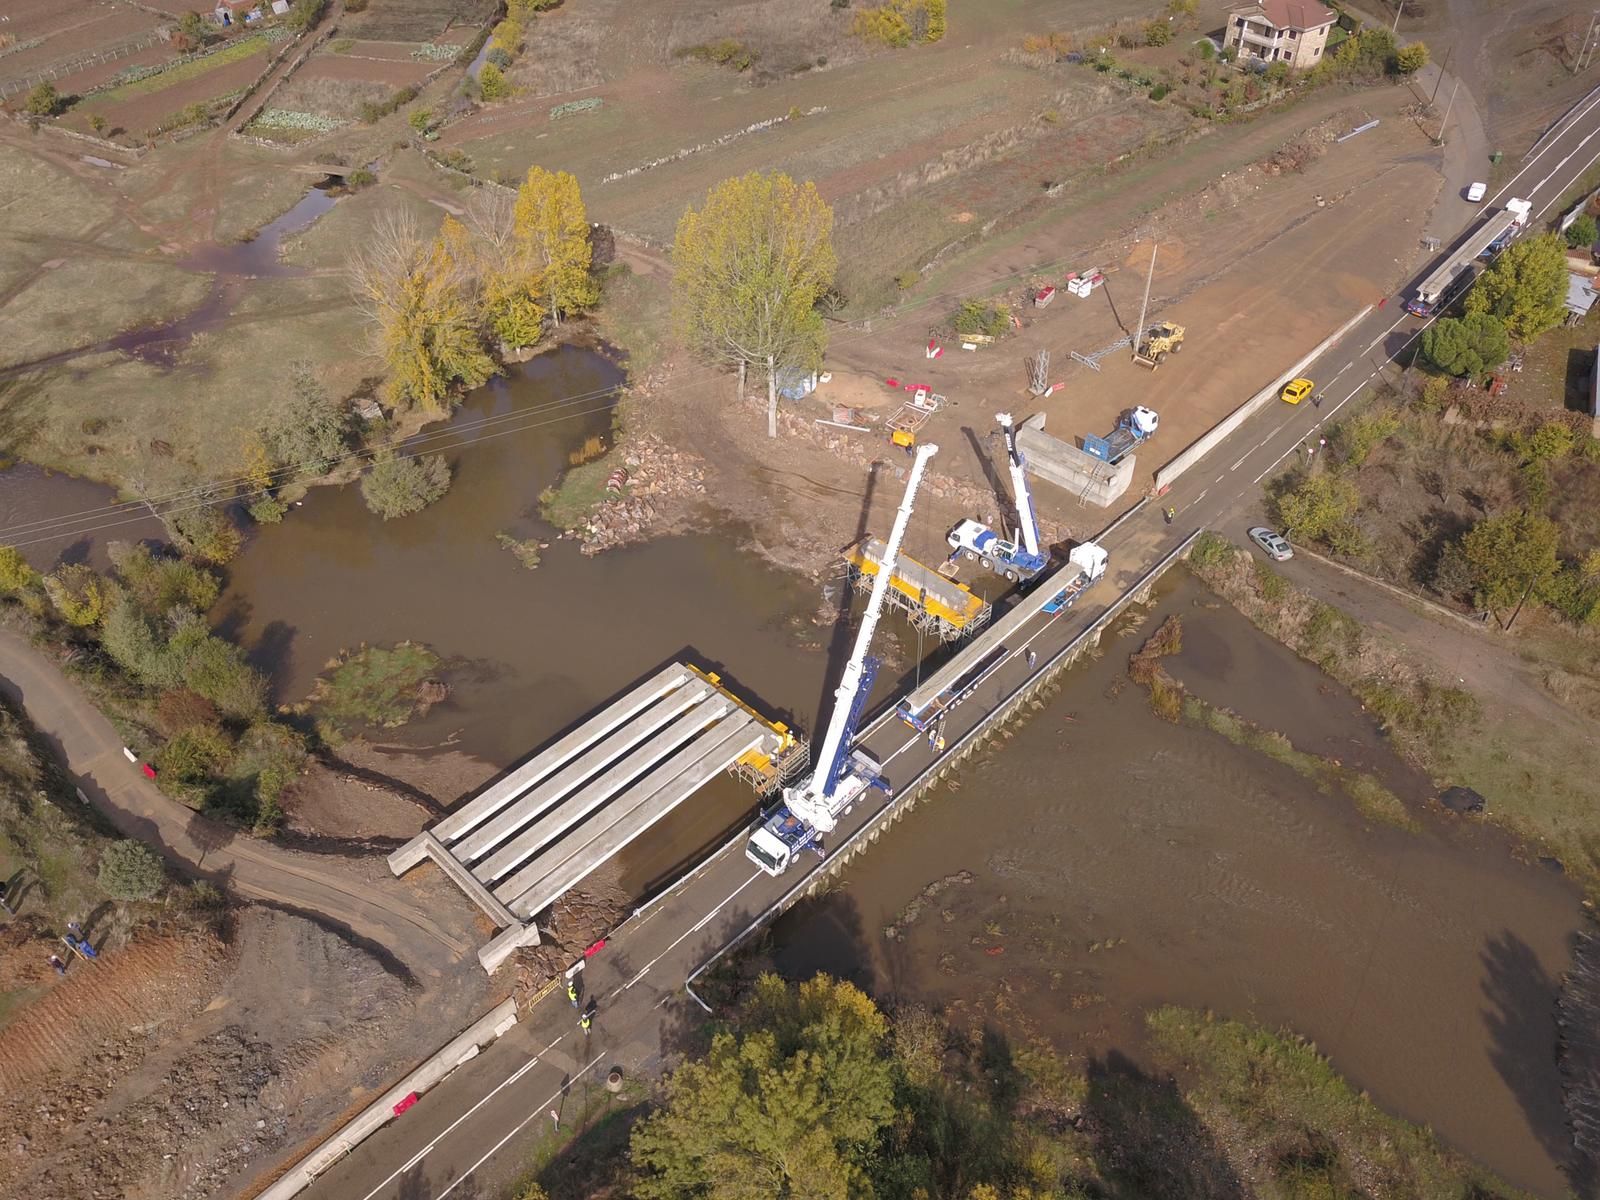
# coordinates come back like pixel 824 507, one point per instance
pixel 42 34
pixel 453 21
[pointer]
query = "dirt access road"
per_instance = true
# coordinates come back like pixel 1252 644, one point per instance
pixel 428 935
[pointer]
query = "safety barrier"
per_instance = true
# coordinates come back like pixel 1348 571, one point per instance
pixel 905 798
pixel 1209 440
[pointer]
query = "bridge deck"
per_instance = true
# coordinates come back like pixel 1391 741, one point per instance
pixel 527 838
pixel 1030 605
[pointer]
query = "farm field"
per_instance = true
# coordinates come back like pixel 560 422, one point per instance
pixel 439 21
pixel 53 33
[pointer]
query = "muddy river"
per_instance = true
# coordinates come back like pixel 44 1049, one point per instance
pixel 530 652
pixel 1119 863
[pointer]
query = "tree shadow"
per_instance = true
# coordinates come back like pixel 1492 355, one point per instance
pixel 1524 1038
pixel 273 652
pixel 1148 1141
pixel 1580 1063
pixel 414 1184
pixel 1582 363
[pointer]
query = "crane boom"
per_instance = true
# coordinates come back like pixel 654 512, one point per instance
pixel 812 800
pixel 1019 485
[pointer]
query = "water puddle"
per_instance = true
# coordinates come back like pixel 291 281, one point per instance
pixel 162 345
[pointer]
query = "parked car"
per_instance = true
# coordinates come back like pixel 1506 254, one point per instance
pixel 1476 192
pixel 1273 545
pixel 1298 390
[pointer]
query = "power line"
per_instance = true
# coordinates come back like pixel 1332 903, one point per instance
pixel 62 523
pixel 248 495
pixel 209 493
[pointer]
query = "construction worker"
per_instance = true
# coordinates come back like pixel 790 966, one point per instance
pixel 572 992
pixel 585 1021
pixel 1169 514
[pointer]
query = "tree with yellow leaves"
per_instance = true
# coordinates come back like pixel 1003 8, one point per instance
pixel 417 294
pixel 509 283
pixel 552 232
pixel 748 270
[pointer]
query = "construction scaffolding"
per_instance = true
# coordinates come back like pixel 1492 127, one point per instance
pixel 933 604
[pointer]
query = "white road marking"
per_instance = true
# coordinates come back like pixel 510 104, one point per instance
pixel 704 921
pixel 538 1110
pixel 1555 134
pixel 428 1149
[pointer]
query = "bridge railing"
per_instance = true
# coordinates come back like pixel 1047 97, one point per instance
pixel 906 796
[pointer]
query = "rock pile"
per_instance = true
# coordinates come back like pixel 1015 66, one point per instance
pixel 661 481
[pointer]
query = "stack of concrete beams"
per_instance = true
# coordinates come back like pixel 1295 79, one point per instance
pixel 539 830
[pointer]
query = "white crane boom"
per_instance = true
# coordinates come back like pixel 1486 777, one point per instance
pixel 811 799
pixel 1019 485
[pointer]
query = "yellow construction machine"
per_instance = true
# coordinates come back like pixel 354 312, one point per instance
pixel 1157 342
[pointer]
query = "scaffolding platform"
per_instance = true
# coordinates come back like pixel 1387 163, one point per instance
pixel 532 835
pixel 936 605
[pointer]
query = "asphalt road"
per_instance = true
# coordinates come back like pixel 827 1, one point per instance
pixel 467 1137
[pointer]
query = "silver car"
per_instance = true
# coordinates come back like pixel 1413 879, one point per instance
pixel 1276 547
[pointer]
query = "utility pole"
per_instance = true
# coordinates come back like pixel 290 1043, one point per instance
pixel 1447 109
pixel 1451 49
pixel 1587 47
pixel 1396 27
pixel 1590 42
pixel 1144 309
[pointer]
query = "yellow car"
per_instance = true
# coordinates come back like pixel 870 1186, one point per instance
pixel 1297 391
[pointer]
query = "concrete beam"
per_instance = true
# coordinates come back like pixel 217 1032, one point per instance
pixel 579 805
pixel 534 888
pixel 506 943
pixel 484 839
pixel 483 806
pixel 467 882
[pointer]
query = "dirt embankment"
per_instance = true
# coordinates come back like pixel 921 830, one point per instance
pixel 175 1068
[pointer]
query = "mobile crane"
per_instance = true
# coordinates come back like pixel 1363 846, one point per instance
pixel 813 806
pixel 1017 559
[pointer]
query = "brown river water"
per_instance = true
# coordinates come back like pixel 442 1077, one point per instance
pixel 1424 964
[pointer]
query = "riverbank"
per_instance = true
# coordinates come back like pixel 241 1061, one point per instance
pixel 1462 705
pixel 1120 863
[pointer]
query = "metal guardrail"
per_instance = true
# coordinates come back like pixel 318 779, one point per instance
pixel 910 791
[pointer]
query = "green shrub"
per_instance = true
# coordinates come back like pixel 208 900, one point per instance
pixel 79 595
pixel 1210 550
pixel 1357 437
pixel 1272 586
pixel 16 575
pixel 1582 232
pixel 130 870
pixel 1408 60
pixel 359 178
pixel 975 316
pixel 492 82
pixel 1157 33
pixel 204 532
pixel 398 487
pixel 1160 92
pixel 43 101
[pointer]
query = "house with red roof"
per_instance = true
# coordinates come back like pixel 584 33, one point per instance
pixel 1288 31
